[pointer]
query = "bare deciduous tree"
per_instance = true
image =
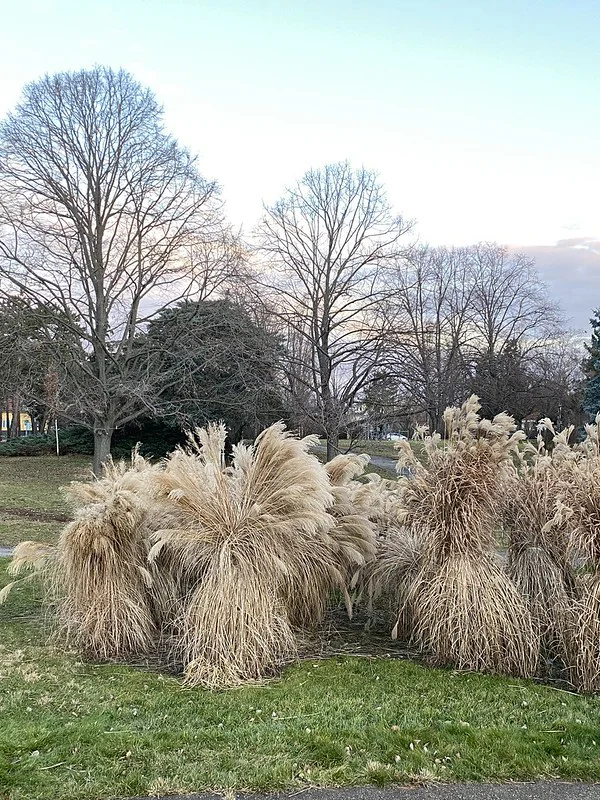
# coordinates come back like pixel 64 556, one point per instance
pixel 510 302
pixel 432 297
pixel 219 266
pixel 328 244
pixel 463 316
pixel 98 207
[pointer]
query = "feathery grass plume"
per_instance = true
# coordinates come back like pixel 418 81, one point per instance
pixel 539 555
pixel 465 610
pixel 585 668
pixel 101 576
pixel 385 579
pixel 378 498
pixel 353 535
pixel 389 577
pixel 254 548
pixel 579 509
pixel 33 557
pixel 292 494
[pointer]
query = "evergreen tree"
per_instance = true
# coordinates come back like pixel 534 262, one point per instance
pixel 220 364
pixel 591 368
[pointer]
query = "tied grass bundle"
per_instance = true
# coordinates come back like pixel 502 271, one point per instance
pixel 539 554
pixel 101 582
pixel 255 549
pixel 579 510
pixel 234 626
pixel 468 615
pixel 465 611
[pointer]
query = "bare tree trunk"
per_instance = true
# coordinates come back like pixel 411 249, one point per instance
pixel 102 439
pixel 332 430
pixel 333 440
pixel 15 422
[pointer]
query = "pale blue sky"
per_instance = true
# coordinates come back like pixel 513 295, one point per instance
pixel 483 118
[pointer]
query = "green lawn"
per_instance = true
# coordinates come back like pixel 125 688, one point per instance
pixel 374 447
pixel 74 730
pixel 377 447
pixel 31 505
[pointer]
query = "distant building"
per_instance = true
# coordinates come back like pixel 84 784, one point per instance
pixel 25 424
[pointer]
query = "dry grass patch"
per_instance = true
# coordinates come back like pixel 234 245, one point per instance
pixel 460 605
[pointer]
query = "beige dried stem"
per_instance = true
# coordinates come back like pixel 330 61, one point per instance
pixel 390 576
pixel 353 535
pixel 387 578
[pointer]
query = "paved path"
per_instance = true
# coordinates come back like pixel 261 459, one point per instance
pixel 384 463
pixel 546 790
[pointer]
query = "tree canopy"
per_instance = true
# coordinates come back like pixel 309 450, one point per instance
pixel 217 363
pixel 98 209
pixel 591 400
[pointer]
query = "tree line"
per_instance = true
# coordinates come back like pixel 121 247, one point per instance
pixel 126 294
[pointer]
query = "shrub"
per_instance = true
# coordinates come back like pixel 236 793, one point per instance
pixel 155 437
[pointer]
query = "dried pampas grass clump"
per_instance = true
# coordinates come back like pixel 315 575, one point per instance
pixel 539 553
pixel 469 615
pixel 259 546
pixel 353 535
pixel 579 511
pixel 389 550
pixel 465 610
pixel 100 578
pixel 389 578
pixel 223 565
pixel 585 666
